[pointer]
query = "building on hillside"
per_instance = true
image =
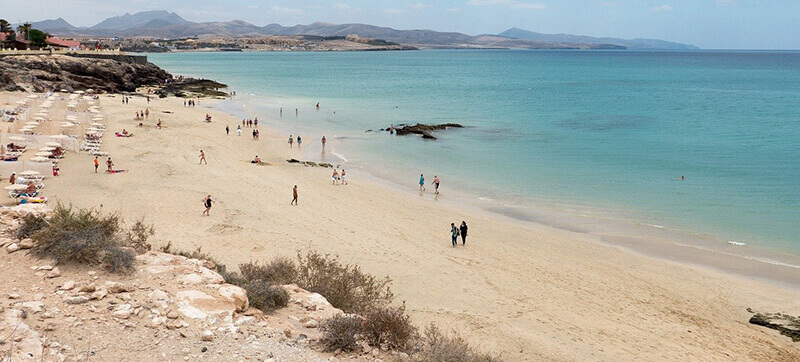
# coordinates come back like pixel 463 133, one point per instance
pixel 63 44
pixel 18 43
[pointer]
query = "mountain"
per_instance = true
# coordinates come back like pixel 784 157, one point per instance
pixel 141 19
pixel 569 38
pixel 54 25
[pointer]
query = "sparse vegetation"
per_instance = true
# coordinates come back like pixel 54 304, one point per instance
pixel 31 223
pixel 138 235
pixel 389 326
pixel 82 236
pixel 341 332
pixel 265 296
pixel 436 346
pixel 280 270
pixel 345 286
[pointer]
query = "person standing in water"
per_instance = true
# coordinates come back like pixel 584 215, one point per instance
pixel 463 231
pixel 299 141
pixel 207 203
pixel 203 157
pixel 281 111
pixel 323 141
pixel 421 183
pixel 454 233
pixel 291 141
pixel 436 183
pixel 296 112
pixel 294 195
pixel 344 177
pixel 227 130
pixel 335 178
pixel 238 130
pixel 317 105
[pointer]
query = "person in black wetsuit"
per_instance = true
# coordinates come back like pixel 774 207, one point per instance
pixel 463 231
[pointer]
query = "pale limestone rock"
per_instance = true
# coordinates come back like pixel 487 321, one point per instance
pixel 68 285
pixel 12 247
pixel 55 273
pixel 76 300
pixel 236 295
pixel 208 336
pixel 26 243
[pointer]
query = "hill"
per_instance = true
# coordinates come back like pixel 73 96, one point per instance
pixel 518 33
pixel 141 19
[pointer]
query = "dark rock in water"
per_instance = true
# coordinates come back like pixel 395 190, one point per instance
pixel 191 87
pixel 310 163
pixel 424 130
pixel 788 325
pixel 293 160
pixel 74 73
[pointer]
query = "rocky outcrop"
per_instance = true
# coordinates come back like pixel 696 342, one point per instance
pixel 424 130
pixel 191 87
pixel 786 324
pixel 54 72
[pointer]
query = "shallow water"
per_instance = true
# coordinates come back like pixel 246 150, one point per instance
pixel 605 134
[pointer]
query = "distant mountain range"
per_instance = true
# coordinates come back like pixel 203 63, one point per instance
pixel 163 24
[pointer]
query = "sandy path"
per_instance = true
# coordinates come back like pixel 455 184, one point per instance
pixel 530 292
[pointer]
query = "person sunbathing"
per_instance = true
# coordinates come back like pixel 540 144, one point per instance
pixel 30 189
pixel 9 157
pixel 256 160
pixel 57 152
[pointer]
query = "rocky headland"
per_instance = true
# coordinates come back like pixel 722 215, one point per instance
pixel 424 130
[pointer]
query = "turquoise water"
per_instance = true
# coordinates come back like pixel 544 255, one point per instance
pixel 603 131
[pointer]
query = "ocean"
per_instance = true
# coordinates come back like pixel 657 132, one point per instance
pixel 584 140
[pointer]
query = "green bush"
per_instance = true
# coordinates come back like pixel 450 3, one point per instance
pixel 340 332
pixel 390 327
pixel 265 296
pixel 280 270
pixel 83 236
pixel 31 224
pixel 345 286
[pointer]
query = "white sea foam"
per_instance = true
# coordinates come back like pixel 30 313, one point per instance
pixel 755 258
pixel 737 243
pixel 655 226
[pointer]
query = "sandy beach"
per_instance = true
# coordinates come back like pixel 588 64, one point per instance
pixel 527 292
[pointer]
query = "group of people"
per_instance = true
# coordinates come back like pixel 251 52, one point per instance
pixel 291 141
pixel 125 99
pixel 256 133
pixel 189 103
pixel 456 231
pixel 208 118
pixel 142 114
pixel 336 177
pixel 436 182
pixel 250 122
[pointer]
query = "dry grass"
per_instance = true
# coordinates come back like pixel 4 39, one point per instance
pixel 340 332
pixel 436 346
pixel 280 270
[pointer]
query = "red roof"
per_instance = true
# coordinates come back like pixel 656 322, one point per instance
pixel 63 43
pixel 20 38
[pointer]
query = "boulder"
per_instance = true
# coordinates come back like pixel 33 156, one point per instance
pixel 76 300
pixel 12 247
pixel 26 243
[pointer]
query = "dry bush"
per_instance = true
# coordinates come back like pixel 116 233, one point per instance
pixel 31 224
pixel 265 296
pixel 345 286
pixel 390 327
pixel 340 332
pixel 230 278
pixel 280 270
pixel 138 235
pixel 439 347
pixel 83 236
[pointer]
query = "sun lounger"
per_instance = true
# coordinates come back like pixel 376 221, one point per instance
pixel 96 152
pixel 33 200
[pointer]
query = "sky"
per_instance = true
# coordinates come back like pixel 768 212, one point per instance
pixel 709 24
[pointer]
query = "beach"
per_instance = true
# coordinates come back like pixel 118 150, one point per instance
pixel 526 291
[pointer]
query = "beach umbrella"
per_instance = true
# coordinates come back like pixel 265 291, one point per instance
pixel 17 138
pixel 43 154
pixel 29 173
pixel 94 111
pixel 97 124
pixel 71 118
pixel 16 187
pixel 98 118
pixel 33 96
pixel 40 159
pixel 47 149
pixel 53 144
pixel 90 102
pixel 22 101
pixel 59 136
pixel 32 123
pixel 90 90
pixel 67 124
pixel 64 91
pixel 44 105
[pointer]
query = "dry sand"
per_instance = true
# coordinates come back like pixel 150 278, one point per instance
pixel 529 292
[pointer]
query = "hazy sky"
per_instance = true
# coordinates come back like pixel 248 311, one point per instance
pixel 720 24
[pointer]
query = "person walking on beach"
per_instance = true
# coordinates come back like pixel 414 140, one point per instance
pixel 207 203
pixel 344 177
pixel 255 122
pixel 421 183
pixel 203 157
pixel 238 131
pixel 299 141
pixel 436 183
pixel 323 141
pixel 454 233
pixel 291 141
pixel 463 231
pixel 335 178
pixel 227 130
pixel 96 164
pixel 110 164
pixel 294 195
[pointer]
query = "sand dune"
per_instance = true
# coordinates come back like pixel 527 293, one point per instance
pixel 529 292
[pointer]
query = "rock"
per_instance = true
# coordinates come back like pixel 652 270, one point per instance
pixel 173 315
pixel 45 267
pixel 287 332
pixel 13 296
pixel 121 314
pixel 236 295
pixel 98 294
pixel 204 349
pixel 76 300
pixel 87 288
pixel 424 129
pixel 12 247
pixel 67 286
pixel 55 273
pixel 311 323
pixel 33 306
pixel 115 287
pixel 208 336
pixel 26 243
pixel 785 324
pixel 209 264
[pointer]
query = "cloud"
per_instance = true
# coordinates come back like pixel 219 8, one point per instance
pixel 287 11
pixel 513 4
pixel 393 11
pixel 662 9
pixel 453 10
pixel 421 6
pixel 342 6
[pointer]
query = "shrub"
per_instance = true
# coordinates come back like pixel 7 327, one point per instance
pixel 83 236
pixel 340 332
pixel 265 296
pixel 138 235
pixel 31 224
pixel 439 347
pixel 345 286
pixel 280 270
pixel 390 327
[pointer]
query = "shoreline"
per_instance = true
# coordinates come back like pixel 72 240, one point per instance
pixel 530 292
pixel 618 229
